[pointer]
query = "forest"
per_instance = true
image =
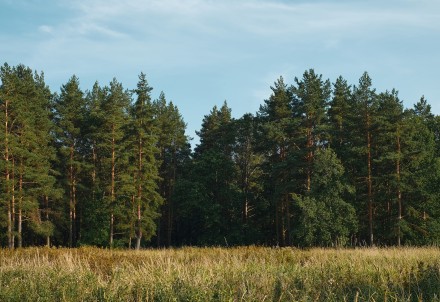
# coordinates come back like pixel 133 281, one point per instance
pixel 320 164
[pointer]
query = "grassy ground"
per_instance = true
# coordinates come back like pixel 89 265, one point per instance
pixel 217 274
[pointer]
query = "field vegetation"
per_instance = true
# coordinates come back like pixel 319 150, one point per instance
pixel 220 274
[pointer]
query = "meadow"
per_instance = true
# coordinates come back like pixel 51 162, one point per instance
pixel 220 274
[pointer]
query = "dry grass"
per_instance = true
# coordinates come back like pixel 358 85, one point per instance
pixel 217 274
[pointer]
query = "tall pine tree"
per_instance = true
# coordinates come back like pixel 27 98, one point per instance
pixel 144 138
pixel 70 117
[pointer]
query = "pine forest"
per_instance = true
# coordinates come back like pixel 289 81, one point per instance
pixel 320 164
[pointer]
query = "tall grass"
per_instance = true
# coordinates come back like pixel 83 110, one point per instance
pixel 217 274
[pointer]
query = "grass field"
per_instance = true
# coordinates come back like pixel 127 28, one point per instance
pixel 218 274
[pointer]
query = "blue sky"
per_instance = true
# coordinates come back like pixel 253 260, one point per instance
pixel 202 52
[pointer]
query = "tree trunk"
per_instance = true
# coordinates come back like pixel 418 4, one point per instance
pixel 13 205
pixel 75 222
pixel 369 184
pixel 20 207
pixel 245 189
pixel 112 188
pixel 399 192
pixel 112 221
pixel 46 199
pixel 94 156
pixel 139 228
pixel 170 200
pixel 10 237
pixel 283 222
pixel 309 157
pixel 245 184
pixel 139 196
pixel 71 201
pixel 9 198
pixel 282 216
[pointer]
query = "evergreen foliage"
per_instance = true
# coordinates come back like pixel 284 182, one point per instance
pixel 319 164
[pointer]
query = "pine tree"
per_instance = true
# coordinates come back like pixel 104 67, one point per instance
pixel 28 155
pixel 310 100
pixel 213 170
pixel 278 133
pixel 7 102
pixel 249 172
pixel 338 112
pixel 363 115
pixel 70 118
pixel 146 175
pixel 111 147
pixel 390 126
pixel 94 223
pixel 172 145
pixel 418 179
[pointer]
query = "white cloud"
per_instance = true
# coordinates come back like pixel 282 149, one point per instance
pixel 45 29
pixel 234 48
pixel 205 22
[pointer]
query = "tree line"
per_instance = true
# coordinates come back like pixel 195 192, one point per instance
pixel 319 164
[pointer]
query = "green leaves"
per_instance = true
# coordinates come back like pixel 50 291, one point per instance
pixel 326 219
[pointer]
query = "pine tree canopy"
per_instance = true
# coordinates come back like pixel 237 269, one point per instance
pixel 320 164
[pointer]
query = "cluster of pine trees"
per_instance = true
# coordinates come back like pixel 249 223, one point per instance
pixel 319 164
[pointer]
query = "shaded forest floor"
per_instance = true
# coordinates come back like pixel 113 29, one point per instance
pixel 220 274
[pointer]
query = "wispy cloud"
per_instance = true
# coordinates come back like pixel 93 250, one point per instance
pixel 229 49
pixel 204 24
pixel 192 34
pixel 46 29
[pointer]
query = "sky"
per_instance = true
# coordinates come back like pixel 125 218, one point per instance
pixel 203 52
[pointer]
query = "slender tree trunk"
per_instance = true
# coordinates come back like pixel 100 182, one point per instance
pixel 283 222
pixel 246 183
pixel 20 206
pixel 112 221
pixel 94 171
pixel 283 204
pixel 277 221
pixel 75 221
pixel 71 199
pixel 170 200
pixel 132 221
pixel 245 209
pixel 130 238
pixel 139 228
pixel 46 199
pixel 94 157
pixel 10 241
pixel 286 199
pixel 13 205
pixel 139 197
pixel 399 192
pixel 369 184
pixel 7 180
pixel 112 188
pixel 309 158
pixel 245 189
